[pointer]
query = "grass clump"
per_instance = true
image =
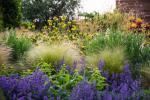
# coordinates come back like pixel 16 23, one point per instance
pixel 19 45
pixel 131 42
pixel 53 54
pixel 114 59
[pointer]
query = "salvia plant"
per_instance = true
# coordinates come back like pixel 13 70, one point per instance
pixel 84 91
pixel 31 87
pixel 121 86
pixel 67 83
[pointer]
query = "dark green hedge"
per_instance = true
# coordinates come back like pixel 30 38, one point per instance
pixel 1 17
pixel 12 13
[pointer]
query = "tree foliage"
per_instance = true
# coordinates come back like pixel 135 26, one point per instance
pixel 11 12
pixel 44 9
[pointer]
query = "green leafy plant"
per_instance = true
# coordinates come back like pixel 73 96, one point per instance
pixel 27 25
pixel 131 42
pixel 98 79
pixel 43 10
pixel 64 82
pixel 12 13
pixel 19 45
pixel 1 18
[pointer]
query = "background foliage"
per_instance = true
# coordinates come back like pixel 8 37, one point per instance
pixel 45 9
pixel 12 12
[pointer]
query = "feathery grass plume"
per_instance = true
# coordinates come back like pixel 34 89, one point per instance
pixel 4 54
pixel 114 59
pixel 54 54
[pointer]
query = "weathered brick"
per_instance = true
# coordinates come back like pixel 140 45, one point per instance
pixel 139 7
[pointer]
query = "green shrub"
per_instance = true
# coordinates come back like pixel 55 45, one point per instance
pixel 98 79
pixel 64 81
pixel 1 18
pixel 19 45
pixel 27 24
pixel 108 39
pixel 4 54
pixel 95 22
pixel 53 54
pixel 114 59
pixel 12 12
pixel 131 42
pixel 134 49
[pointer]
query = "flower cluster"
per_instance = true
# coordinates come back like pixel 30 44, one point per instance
pixel 67 84
pixel 83 91
pixel 121 84
pixel 138 24
pixel 34 86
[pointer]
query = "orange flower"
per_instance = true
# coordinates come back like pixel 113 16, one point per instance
pixel 133 25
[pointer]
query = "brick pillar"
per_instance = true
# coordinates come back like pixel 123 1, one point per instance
pixel 140 8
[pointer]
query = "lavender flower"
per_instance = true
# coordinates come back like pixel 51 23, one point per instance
pixel 121 84
pixel 83 91
pixel 34 86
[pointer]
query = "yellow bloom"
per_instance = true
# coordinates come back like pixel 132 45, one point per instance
pixel 63 18
pixel 64 26
pixel 49 21
pixel 45 27
pixel 74 21
pixel 55 18
pixel 69 23
pixel 139 20
pixel 133 25
pixel 68 31
pixel 131 18
pixel 74 28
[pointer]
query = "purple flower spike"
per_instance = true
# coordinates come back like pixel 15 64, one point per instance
pixel 83 91
pixel 101 65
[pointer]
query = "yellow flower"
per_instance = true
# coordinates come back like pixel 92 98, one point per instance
pixel 74 21
pixel 139 20
pixel 63 18
pixel 68 31
pixel 69 23
pixel 33 26
pixel 133 25
pixel 131 18
pixel 55 18
pixel 45 27
pixel 49 21
pixel 74 28
pixel 64 26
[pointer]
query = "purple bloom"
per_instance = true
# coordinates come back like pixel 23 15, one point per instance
pixel 83 91
pixel 34 86
pixel 107 96
pixel 121 84
pixel 101 65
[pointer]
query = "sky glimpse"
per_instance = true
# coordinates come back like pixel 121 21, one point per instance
pixel 100 6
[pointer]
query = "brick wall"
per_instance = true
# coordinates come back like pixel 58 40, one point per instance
pixel 138 7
